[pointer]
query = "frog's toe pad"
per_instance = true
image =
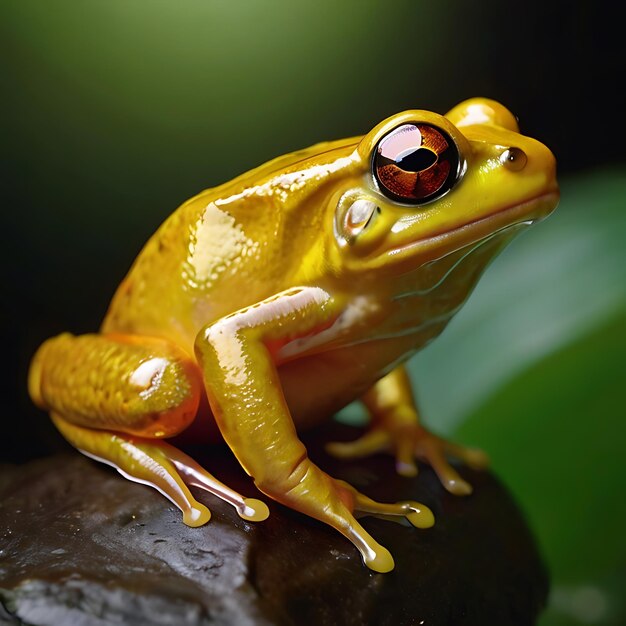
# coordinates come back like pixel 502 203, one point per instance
pixel 370 443
pixel 198 515
pixel 253 510
pixel 407 469
pixel 457 487
pixel 419 515
pixel 379 560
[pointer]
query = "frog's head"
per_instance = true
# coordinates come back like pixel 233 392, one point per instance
pixel 429 185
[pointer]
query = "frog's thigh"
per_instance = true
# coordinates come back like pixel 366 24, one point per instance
pixel 139 387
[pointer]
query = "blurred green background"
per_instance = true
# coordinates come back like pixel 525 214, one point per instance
pixel 114 112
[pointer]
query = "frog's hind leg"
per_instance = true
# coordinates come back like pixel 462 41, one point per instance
pixel 141 462
pixel 159 465
pixel 115 397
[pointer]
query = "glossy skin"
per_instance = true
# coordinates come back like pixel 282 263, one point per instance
pixel 283 295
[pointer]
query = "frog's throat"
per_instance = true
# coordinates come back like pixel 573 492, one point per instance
pixel 437 245
pixel 504 235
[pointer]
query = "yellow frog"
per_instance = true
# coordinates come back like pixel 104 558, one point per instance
pixel 287 293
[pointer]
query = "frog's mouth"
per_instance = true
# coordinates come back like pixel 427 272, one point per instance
pixel 439 244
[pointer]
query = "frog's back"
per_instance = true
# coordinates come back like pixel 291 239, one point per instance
pixel 185 276
pixel 226 248
pixel 151 299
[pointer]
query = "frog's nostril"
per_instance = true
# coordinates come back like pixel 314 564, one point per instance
pixel 514 159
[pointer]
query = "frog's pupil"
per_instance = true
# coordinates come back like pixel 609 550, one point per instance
pixel 417 161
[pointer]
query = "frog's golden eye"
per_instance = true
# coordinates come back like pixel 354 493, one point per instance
pixel 416 163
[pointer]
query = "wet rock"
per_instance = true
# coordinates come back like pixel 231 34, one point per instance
pixel 81 545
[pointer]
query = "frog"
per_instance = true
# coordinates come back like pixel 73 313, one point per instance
pixel 266 304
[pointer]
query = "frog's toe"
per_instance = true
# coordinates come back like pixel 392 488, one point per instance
pixel 432 451
pixel 405 458
pixel 419 515
pixel 193 474
pixel 472 457
pixel 435 451
pixel 371 442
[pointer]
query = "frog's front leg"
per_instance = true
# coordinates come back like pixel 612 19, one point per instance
pixel 238 355
pixel 395 426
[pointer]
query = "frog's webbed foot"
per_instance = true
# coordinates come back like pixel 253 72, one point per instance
pixel 408 442
pixel 162 466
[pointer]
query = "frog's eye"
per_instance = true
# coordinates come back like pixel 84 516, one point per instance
pixel 416 163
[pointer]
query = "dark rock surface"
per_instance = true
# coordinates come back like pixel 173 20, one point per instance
pixel 81 545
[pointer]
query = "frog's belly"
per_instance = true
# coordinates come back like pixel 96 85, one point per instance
pixel 318 386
